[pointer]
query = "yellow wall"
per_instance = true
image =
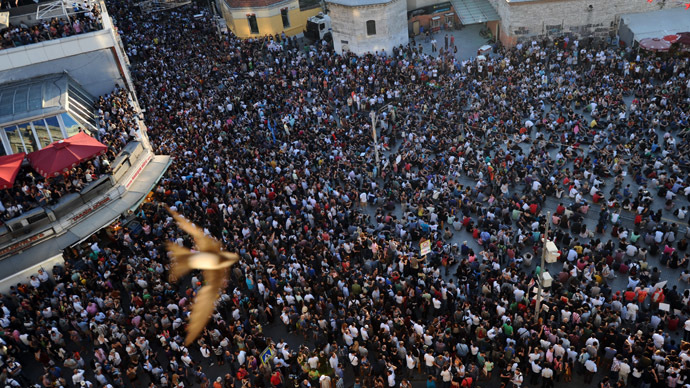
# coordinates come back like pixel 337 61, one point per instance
pixel 268 19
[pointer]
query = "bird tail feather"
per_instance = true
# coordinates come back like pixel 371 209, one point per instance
pixel 180 264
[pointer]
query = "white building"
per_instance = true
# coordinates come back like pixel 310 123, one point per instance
pixel 368 26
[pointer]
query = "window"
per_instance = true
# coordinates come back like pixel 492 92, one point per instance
pixel 6 101
pixel 20 100
pixel 44 137
pixel 21 138
pixel 371 27
pixel 305 5
pixel 54 128
pixel 35 97
pixel 27 135
pixel 71 125
pixel 15 139
pixel 286 19
pixel 253 26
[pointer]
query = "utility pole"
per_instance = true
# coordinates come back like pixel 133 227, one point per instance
pixel 376 142
pixel 537 306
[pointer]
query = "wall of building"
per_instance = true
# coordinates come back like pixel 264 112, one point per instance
pixel 350 27
pixel 420 18
pixel 268 19
pixel 541 18
pixel 425 21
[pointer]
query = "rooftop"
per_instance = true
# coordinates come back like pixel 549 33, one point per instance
pixel 33 97
pixel 475 11
pixel 657 24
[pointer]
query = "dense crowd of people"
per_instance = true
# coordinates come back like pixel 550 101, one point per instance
pixel 86 20
pixel 272 155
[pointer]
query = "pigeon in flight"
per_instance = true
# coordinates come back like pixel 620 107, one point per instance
pixel 211 260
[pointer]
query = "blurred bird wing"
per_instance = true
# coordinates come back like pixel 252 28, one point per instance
pixel 204 303
pixel 232 258
pixel 180 263
pixel 203 242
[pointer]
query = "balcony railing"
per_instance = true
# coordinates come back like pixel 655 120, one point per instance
pixel 49 21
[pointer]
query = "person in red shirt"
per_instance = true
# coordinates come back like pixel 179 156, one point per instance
pixel 673 322
pixel 242 373
pixel 277 379
pixel 560 209
pixel 629 295
pixel 533 208
pixel 642 295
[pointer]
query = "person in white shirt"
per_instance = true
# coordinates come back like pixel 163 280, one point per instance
pixel 348 338
pixel 429 362
pixel 446 377
pixel 623 372
pixel 78 377
pixel 391 377
pixel 354 361
pixel 313 361
pixel 591 368
pixel 517 379
pixel 411 364
pixel 631 309
pixel 658 339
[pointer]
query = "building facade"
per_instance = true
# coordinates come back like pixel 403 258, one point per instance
pixel 48 91
pixel 254 18
pixel 368 26
pixel 430 16
pixel 523 20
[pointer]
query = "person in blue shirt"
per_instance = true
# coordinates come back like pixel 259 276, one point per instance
pixel 431 382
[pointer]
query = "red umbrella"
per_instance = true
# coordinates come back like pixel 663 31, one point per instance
pixel 655 44
pixel 672 38
pixel 9 167
pixel 62 155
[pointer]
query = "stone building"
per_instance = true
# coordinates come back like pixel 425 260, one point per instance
pixel 368 26
pixel 535 19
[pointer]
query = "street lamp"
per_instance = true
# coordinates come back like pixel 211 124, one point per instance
pixel 375 137
pixel 537 306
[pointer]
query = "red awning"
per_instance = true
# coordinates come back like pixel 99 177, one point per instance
pixel 9 167
pixel 63 155
pixel 672 38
